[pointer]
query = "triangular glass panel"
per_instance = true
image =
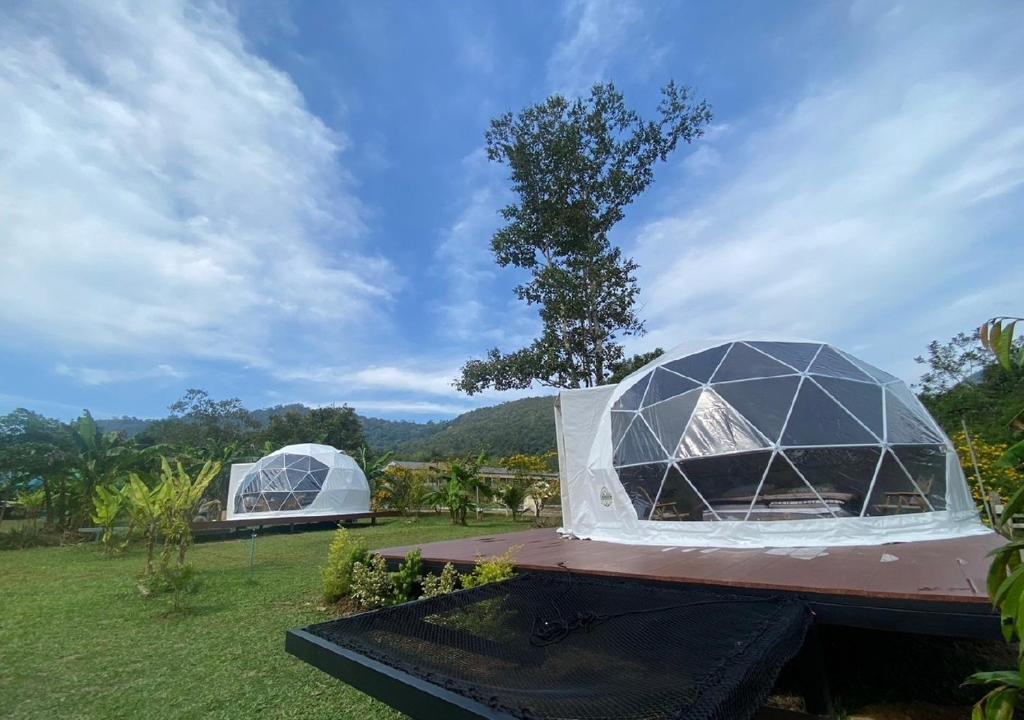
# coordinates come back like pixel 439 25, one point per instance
pixel 906 425
pixel 795 354
pixel 277 461
pixel 290 503
pixel 319 475
pixel 699 366
pixel 317 465
pixel 260 505
pixel 894 493
pixel 666 384
pixel 250 483
pixel 927 465
pixel 880 375
pixel 818 420
pixel 631 398
pixel 275 500
pixel 668 419
pixel 841 475
pixel 831 363
pixel 620 423
pixel 639 445
pixel 863 400
pixel 678 501
pixel 765 403
pixel 274 479
pixel 304 499
pixel 744 362
pixel 641 483
pixel 727 482
pixel 307 483
pixel 785 496
pixel 299 462
pixel 715 427
pixel 294 476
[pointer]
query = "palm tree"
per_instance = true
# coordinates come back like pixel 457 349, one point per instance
pixel 456 494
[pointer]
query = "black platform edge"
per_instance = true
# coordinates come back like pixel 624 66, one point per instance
pixel 410 695
pixel 973 621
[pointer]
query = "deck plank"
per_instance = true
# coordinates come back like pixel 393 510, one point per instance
pixel 939 571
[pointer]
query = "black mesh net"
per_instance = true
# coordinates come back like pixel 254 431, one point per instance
pixel 541 646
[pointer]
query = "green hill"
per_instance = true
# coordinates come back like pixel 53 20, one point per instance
pixel 389 434
pixel 521 426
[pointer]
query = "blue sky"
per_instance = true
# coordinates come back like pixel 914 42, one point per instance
pixel 289 202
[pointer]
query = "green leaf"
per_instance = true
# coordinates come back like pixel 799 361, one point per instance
pixel 1004 593
pixel 1004 347
pixel 993 336
pixel 1013 456
pixel 996 677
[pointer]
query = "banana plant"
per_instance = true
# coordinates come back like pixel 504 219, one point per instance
pixel 107 506
pixel 145 508
pixel 997 336
pixel 184 494
pixel 1006 589
pixel 373 467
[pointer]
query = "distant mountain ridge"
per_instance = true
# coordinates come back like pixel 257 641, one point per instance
pixel 524 426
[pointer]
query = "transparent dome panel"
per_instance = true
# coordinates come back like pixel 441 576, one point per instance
pixel 762 431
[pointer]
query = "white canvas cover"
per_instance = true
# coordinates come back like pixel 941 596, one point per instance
pixel 758 444
pixel 298 481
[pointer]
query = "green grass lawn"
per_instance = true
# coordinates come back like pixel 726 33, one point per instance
pixel 76 640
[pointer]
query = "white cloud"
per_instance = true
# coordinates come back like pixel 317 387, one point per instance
pixel 598 30
pixel 407 407
pixel 869 212
pixel 388 377
pixel 166 192
pixel 105 376
pixel 467 310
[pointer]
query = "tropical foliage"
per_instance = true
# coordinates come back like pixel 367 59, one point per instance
pixel 1006 575
pixel 403 489
pixel 996 475
pixel 997 336
pixel 459 489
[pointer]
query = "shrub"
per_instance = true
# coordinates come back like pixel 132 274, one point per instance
pixel 494 569
pixel 28 535
pixel 371 584
pixel 996 476
pixel 512 497
pixel 408 580
pixel 443 584
pixel 343 554
pixel 108 504
pixel 177 580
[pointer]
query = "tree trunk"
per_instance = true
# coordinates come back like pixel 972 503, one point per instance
pixel 47 499
pixel 150 546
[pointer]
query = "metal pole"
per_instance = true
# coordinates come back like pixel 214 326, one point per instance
pixel 252 556
pixel 985 500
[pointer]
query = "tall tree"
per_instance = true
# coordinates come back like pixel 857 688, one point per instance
pixel 198 421
pixel 575 166
pixel 335 426
pixel 953 362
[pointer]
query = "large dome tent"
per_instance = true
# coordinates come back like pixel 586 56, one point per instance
pixel 751 443
pixel 303 480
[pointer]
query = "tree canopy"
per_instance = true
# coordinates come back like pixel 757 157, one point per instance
pixel 575 165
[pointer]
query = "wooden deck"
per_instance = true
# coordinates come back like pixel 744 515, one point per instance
pixel 299 521
pixel 935 587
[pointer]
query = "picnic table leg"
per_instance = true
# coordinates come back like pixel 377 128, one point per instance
pixel 812 676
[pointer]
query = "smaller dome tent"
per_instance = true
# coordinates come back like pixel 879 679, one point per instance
pixel 758 444
pixel 298 481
